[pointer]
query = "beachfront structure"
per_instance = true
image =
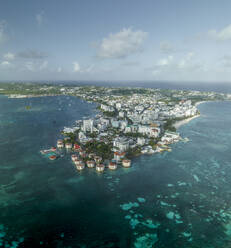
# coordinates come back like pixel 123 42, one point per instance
pixel 112 166
pixel 80 166
pixel 126 163
pixel 97 159
pixel 60 143
pixel 68 145
pixel 100 167
pixel 90 164
pixel 74 157
pixel 119 155
pixel 170 137
pixel 77 161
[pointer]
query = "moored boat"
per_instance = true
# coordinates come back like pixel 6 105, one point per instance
pixel 52 157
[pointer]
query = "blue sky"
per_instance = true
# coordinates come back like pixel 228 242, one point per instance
pixel 172 40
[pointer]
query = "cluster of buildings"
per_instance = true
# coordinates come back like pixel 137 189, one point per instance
pixel 129 124
pixel 81 158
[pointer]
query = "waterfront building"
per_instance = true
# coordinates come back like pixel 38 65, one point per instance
pixel 74 157
pixel 119 155
pixel 80 166
pixel 53 149
pixel 100 167
pixel 126 163
pixel 68 145
pixel 112 166
pixel 60 143
pixel 77 161
pixel 91 164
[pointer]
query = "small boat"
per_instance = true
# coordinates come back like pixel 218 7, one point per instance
pixel 45 151
pixel 52 157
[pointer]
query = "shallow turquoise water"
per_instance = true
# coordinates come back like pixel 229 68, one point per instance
pixel 177 199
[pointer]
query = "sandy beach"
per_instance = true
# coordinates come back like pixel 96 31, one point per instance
pixel 182 122
pixel 178 124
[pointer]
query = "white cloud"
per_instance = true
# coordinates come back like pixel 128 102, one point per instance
pixel 9 56
pixel 43 65
pixel 221 35
pixel 76 67
pixel 5 63
pixel 59 69
pixel 165 61
pixel 179 66
pixel 121 44
pixel 39 18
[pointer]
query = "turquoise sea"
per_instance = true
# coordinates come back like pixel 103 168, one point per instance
pixel 178 199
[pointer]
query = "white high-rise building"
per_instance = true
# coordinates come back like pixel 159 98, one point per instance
pixel 88 125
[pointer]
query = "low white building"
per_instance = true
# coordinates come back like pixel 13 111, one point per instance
pixel 88 125
pixel 107 108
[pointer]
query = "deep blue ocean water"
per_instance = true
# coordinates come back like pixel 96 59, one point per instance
pixel 174 199
pixel 223 87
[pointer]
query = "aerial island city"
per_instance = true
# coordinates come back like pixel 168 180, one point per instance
pixel 129 121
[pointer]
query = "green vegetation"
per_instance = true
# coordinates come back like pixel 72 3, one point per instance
pixel 133 152
pixel 100 148
pixel 109 114
pixel 153 142
pixel 168 125
pixel 135 135
pixel 72 137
